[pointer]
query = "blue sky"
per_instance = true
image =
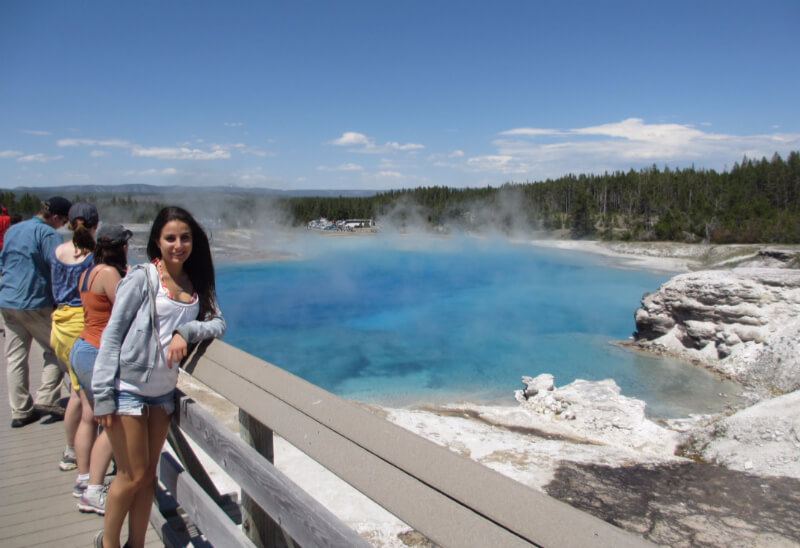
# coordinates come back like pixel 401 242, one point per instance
pixel 377 94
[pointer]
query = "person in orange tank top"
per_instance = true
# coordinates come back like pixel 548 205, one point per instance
pixel 97 286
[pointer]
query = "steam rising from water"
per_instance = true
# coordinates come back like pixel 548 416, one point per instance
pixel 406 320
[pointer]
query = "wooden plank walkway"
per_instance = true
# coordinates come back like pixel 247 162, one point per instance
pixel 36 503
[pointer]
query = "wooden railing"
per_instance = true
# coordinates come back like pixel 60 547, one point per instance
pixel 450 499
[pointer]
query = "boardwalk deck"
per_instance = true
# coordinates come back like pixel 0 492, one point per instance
pixel 449 498
pixel 36 503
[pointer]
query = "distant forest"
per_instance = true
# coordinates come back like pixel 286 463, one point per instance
pixel 757 201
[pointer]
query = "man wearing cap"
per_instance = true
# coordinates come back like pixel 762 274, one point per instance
pixel 26 303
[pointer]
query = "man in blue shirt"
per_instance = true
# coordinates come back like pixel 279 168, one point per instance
pixel 26 303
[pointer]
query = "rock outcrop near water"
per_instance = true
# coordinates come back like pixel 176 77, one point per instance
pixel 590 446
pixel 743 323
pixel 595 411
pixel 763 438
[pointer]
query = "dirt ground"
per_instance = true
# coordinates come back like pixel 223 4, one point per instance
pixel 689 505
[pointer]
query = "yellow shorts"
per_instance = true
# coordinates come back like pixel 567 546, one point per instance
pixel 67 325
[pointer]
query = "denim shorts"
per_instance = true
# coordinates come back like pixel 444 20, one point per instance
pixel 129 403
pixel 81 358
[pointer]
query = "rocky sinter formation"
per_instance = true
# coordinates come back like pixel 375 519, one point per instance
pixel 586 444
pixel 762 439
pixel 594 411
pixel 743 322
pixel 739 489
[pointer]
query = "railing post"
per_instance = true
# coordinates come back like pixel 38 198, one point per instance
pixel 258 526
pixel 187 457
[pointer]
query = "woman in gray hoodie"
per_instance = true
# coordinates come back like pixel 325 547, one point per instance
pixel 160 308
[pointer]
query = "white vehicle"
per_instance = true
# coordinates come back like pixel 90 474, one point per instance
pixel 359 223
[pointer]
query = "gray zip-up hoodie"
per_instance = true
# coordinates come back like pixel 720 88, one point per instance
pixel 129 343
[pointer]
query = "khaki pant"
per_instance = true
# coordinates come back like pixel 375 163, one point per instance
pixel 22 327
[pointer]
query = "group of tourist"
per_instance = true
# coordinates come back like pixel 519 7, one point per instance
pixel 116 333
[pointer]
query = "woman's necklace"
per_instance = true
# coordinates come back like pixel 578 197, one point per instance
pixel 168 279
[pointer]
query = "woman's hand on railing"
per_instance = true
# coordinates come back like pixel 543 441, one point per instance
pixel 176 350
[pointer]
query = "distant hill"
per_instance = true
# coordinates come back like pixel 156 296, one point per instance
pixel 72 190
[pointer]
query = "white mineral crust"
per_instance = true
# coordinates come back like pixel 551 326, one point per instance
pixel 762 439
pixel 743 323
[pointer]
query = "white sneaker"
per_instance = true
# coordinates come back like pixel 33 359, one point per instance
pixel 78 489
pixel 67 462
pixel 93 501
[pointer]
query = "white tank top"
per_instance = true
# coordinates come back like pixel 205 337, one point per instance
pixel 170 315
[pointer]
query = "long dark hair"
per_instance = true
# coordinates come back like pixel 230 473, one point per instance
pixel 112 255
pixel 82 237
pixel 199 266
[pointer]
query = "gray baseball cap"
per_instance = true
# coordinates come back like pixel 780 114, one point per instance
pixel 85 211
pixel 112 235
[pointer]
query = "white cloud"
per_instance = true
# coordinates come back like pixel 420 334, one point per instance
pixel 233 124
pixel 635 130
pixel 212 151
pixel 36 132
pixel 341 167
pixel 255 176
pixel 169 171
pixel 451 160
pixel 39 158
pixel 252 177
pixel 407 146
pixel 505 164
pixel 98 153
pixel 351 138
pixel 94 143
pixel 630 143
pixel 358 142
pixel 530 131
pixel 181 153
pixel 256 152
pixel 196 149
pixel 10 153
pixel 390 174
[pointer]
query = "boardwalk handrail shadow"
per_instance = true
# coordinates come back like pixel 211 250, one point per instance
pixel 450 499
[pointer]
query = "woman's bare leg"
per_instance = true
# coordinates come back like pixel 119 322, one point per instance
pixel 85 434
pixel 100 459
pixel 129 440
pixel 72 416
pixel 139 517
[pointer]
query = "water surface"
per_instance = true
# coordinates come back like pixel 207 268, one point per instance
pixel 403 321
